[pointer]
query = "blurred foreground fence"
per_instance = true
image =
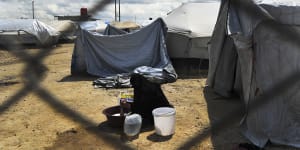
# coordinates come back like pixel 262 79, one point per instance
pixel 34 72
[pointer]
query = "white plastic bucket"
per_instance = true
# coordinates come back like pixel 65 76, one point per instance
pixel 164 120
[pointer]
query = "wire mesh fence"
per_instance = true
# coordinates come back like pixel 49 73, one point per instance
pixel 34 72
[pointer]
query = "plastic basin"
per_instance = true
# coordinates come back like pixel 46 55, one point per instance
pixel 113 116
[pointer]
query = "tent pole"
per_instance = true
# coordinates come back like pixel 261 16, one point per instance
pixel 119 11
pixel 115 10
pixel 32 9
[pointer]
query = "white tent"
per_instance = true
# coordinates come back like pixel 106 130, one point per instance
pixel 255 48
pixel 27 31
pixel 190 27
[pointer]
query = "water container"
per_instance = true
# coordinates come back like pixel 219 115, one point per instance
pixel 164 120
pixel 132 124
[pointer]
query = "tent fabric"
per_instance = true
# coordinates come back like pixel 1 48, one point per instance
pixel 153 75
pixel 78 65
pixel 157 75
pixel 117 81
pixel 193 19
pixel 111 30
pixel 182 46
pixel 46 35
pixel 190 28
pixel 92 26
pixel 249 57
pixel 109 55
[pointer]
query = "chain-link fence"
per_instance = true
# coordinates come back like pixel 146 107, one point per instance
pixel 34 71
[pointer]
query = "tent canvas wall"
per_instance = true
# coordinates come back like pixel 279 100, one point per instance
pixel 108 55
pixel 254 48
pixel 190 27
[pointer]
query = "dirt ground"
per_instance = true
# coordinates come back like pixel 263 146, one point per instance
pixel 35 123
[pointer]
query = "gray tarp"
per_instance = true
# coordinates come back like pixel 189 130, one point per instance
pixel 108 55
pixel 250 57
pixel 44 34
pixel 111 30
pixel 154 75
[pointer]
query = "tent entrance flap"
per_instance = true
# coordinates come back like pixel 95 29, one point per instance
pixel 264 53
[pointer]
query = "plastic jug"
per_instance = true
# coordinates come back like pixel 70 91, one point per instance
pixel 132 124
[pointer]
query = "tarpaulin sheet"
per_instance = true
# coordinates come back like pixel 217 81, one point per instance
pixel 153 75
pixel 111 30
pixel 250 55
pixel 109 55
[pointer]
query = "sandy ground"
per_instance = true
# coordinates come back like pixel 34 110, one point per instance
pixel 35 123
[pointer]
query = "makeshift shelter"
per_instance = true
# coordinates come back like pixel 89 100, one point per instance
pixel 27 31
pixel 255 46
pixel 108 55
pixel 190 27
pixel 66 28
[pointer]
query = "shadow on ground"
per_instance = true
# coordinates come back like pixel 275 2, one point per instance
pixel 82 77
pixel 157 138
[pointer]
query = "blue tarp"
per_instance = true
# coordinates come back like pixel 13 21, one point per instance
pixel 109 55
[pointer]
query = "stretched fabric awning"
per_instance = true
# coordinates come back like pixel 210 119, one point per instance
pixel 108 55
